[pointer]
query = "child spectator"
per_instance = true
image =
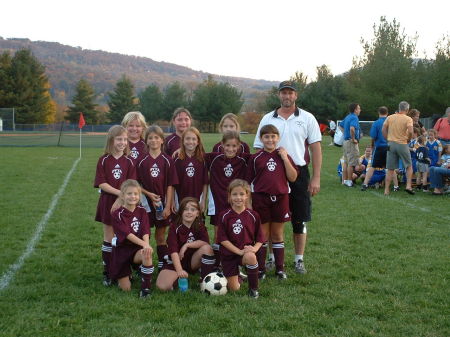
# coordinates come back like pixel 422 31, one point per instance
pixel 423 162
pixel 434 148
pixel 131 244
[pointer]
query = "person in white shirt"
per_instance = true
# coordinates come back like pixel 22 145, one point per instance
pixel 299 135
pixel 332 126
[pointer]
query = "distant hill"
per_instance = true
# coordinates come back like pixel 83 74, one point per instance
pixel 66 65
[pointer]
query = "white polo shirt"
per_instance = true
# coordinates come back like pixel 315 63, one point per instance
pixel 296 133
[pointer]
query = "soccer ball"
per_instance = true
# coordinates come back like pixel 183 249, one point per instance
pixel 214 284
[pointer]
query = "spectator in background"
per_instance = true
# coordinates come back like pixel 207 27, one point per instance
pixel 338 138
pixel 398 130
pixel 351 139
pixel 442 126
pixel 332 126
pixel 437 174
pixel 415 115
pixel 434 148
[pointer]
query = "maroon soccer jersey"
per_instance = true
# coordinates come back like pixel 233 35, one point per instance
pixel 241 230
pixel 222 171
pixel 181 234
pixel 266 173
pixel 126 222
pixel 157 174
pixel 171 144
pixel 137 151
pixel 244 148
pixel 113 172
pixel 192 176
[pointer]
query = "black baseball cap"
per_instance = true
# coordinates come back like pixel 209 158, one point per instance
pixel 287 85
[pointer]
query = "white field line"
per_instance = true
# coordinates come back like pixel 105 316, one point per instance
pixel 9 274
pixel 400 201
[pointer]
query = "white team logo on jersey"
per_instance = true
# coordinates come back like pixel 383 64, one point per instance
pixel 237 227
pixel 134 153
pixel 191 238
pixel 190 170
pixel 228 170
pixel 154 171
pixel 117 172
pixel 271 165
pixel 135 224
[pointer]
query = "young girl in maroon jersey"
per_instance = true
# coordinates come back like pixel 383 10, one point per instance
pixel 268 173
pixel 240 237
pixel 181 120
pixel 191 169
pixel 188 244
pixel 157 175
pixel 229 122
pixel 135 124
pixel 113 168
pixel 223 168
pixel 132 234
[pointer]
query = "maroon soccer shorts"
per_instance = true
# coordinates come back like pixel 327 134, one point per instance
pixel 121 260
pixel 185 262
pixel 230 264
pixel 157 223
pixel 271 208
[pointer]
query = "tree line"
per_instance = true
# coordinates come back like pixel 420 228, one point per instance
pixel 385 74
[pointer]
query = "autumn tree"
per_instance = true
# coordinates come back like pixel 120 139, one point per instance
pixel 121 100
pixel 151 103
pixel 83 101
pixel 6 81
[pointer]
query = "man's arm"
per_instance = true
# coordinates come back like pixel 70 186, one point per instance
pixel 316 157
pixel 384 131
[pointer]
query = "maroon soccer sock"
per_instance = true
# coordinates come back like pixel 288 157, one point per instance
pixel 146 276
pixel 278 253
pixel 261 256
pixel 252 273
pixel 208 263
pixel 161 251
pixel 216 250
pixel 106 257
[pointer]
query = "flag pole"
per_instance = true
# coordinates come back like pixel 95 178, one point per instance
pixel 80 142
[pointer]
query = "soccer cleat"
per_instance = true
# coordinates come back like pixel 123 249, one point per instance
pixel 270 265
pixel 107 282
pixel 396 188
pixel 261 275
pixel 281 275
pixel 299 267
pixel 253 293
pixel 364 187
pixel 144 293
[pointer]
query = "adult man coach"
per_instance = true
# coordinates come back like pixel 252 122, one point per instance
pixel 351 139
pixel 398 130
pixel 299 131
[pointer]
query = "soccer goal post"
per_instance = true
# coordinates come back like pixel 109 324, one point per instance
pixel 7 115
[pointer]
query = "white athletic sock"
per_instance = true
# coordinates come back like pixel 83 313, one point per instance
pixel 298 257
pixel 271 257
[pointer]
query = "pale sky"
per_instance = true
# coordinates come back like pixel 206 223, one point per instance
pixel 256 39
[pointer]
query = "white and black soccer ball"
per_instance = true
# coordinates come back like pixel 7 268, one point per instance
pixel 214 284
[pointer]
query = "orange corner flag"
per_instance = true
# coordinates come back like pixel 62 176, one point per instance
pixel 81 122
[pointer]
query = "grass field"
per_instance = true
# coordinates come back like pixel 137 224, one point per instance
pixel 377 266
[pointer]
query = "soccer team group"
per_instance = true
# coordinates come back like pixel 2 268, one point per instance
pixel 149 180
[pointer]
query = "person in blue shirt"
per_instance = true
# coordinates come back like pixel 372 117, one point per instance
pixel 434 148
pixel 352 133
pixel 380 148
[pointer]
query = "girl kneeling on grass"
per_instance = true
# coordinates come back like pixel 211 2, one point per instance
pixel 132 234
pixel 188 245
pixel 113 168
pixel 240 237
